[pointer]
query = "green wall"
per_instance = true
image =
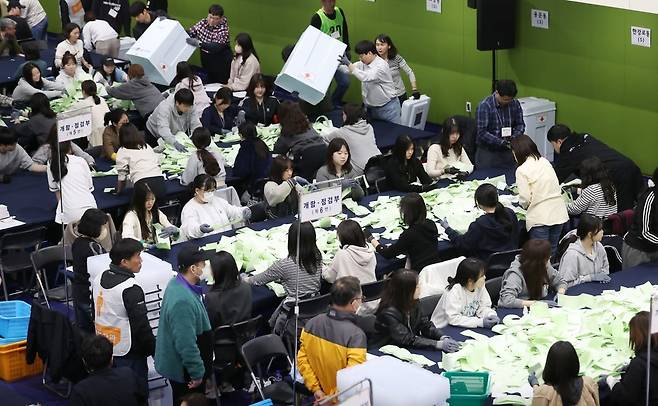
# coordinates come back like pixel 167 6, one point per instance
pixel 584 62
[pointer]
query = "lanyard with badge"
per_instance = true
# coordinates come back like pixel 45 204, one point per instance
pixel 505 132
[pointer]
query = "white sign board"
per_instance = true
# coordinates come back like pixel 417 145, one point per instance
pixel 641 36
pixel 647 6
pixel 320 203
pixel 73 127
pixel 433 6
pixel 539 18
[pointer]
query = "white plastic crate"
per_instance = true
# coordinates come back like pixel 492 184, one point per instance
pixel 415 112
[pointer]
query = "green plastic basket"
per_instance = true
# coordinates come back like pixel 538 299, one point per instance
pixel 468 388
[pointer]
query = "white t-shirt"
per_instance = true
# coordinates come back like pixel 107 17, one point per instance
pixel 218 213
pixel 462 308
pixel 75 188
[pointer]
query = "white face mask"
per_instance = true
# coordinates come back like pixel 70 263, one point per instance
pixel 208 196
pixel 205 272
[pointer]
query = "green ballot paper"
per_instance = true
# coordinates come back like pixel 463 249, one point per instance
pixel 160 242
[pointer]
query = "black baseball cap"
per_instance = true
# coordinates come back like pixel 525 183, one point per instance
pixel 108 62
pixel 190 255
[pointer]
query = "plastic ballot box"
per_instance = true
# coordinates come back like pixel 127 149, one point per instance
pixel 539 117
pixel 414 112
pixel 159 49
pixel 311 65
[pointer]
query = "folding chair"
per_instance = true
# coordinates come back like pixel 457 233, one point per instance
pixel 261 355
pixel 428 304
pixel 15 250
pixel 54 255
pixel 433 279
pixel 499 262
pixel 493 286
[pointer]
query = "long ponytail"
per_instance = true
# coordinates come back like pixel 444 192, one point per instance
pixel 486 195
pixel 58 162
pixel 89 88
pixel 502 216
pixel 201 139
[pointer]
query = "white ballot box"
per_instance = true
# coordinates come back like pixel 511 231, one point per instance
pixel 539 117
pixel 311 65
pixel 159 49
pixel 415 112
pixel 396 382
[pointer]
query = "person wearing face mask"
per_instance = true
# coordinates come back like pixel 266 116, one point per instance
pixel 499 120
pixel 332 341
pixel 585 259
pixel 173 115
pixel 211 35
pixel 120 310
pixel 444 157
pixel 466 302
pixel 206 213
pixel 259 108
pixel 338 166
pixel 91 230
pixel 183 350
pixel 245 64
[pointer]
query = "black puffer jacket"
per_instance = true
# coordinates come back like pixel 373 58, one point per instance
pixel 405 330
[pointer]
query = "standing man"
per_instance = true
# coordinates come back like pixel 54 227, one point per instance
pixel 115 12
pixel 377 86
pixel 499 119
pixel 331 20
pixel 332 341
pixel 23 31
pixel 36 18
pixel 212 35
pixel 121 313
pixel 8 43
pixel 144 17
pixel 99 36
pixel 184 344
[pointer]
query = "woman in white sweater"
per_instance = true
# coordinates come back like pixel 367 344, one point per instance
pixel 138 223
pixel 71 44
pixel 186 79
pixel 448 157
pixel 70 73
pixel 466 302
pixel 31 83
pixel 280 192
pixel 206 213
pixel 539 192
pixel 137 162
pixel 244 65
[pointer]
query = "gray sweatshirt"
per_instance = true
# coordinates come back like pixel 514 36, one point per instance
pixel 360 136
pixel 576 266
pixel 42 156
pixel 141 92
pixel 166 121
pixel 514 290
pixel 24 90
pixel 323 174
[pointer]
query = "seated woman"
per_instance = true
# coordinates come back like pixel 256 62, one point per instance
pixel 631 389
pixel 98 110
pixel 31 83
pixel 216 117
pixel 245 64
pixel 71 45
pixel 641 240
pixel 137 162
pixel 44 153
pixel 90 231
pixel 292 276
pixel 399 320
pixel 139 221
pixel 113 121
pixel 34 132
pixel 206 213
pixel 563 384
pixel 448 157
pixel 70 73
pixel 297 133
pixel 253 161
pixel 107 74
pixel 530 276
pixel 338 165
pixel 419 242
pixel 358 133
pixel 139 90
pixel 466 301
pixel 586 260
pixel 404 172
pixel 210 162
pixel 599 195
pixel 187 79
pixel 229 299
pixel 494 231
pixel 258 108
pixel 279 190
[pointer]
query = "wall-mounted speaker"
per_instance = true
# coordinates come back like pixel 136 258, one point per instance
pixel 496 23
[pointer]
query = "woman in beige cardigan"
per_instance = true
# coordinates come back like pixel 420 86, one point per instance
pixel 139 221
pixel 244 65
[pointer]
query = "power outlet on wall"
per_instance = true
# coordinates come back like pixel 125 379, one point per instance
pixel 468 106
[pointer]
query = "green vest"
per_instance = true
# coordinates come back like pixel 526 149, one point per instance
pixel 334 27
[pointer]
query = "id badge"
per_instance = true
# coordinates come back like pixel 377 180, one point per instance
pixel 506 132
pixel 113 13
pixel 335 35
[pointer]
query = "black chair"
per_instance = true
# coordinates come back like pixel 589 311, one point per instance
pixel 493 286
pixel 308 308
pixel 376 175
pixel 173 213
pixel 499 262
pixel 15 250
pixel 55 255
pixel 309 160
pixel 228 342
pixel 373 291
pixel 468 127
pixel 261 355
pixel 428 304
pixel 614 258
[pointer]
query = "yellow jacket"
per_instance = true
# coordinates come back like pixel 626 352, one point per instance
pixel 329 343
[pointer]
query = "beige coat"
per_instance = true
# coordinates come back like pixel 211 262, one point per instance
pixel 546 395
pixel 241 74
pixel 540 193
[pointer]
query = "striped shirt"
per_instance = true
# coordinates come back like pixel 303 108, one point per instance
pixel 592 201
pixel 395 65
pixel 284 271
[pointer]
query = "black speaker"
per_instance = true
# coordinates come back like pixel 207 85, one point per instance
pixel 496 22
